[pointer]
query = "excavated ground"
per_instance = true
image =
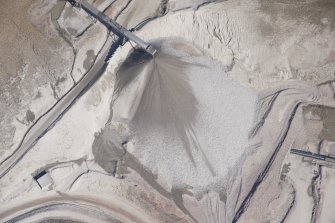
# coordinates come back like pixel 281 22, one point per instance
pixel 179 107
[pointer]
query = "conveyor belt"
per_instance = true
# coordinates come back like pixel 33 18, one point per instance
pixel 313 155
pixel 113 26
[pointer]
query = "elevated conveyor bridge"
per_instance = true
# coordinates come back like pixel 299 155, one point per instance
pixel 113 26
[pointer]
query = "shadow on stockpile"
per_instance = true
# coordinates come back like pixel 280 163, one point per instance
pixel 166 98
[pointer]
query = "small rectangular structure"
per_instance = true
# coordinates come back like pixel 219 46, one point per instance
pixel 43 179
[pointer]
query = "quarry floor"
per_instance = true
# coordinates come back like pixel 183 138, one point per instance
pixel 201 133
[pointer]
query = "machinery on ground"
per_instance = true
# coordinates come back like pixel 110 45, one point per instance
pixel 113 26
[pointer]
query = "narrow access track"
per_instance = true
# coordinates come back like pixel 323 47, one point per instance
pixel 78 207
pixel 54 114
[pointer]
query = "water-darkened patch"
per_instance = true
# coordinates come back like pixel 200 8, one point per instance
pixel 107 149
pixel 327 116
pixel 266 28
pixel 30 116
pixel 60 80
pixel 109 153
pixel 90 55
pixel 56 12
pixel 286 168
pixel 72 31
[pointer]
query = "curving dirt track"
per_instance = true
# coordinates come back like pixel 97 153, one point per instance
pixel 79 207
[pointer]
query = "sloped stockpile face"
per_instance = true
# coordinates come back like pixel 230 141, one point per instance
pixel 167 98
pixel 188 121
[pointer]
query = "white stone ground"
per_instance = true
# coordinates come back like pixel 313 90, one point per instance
pixel 231 33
